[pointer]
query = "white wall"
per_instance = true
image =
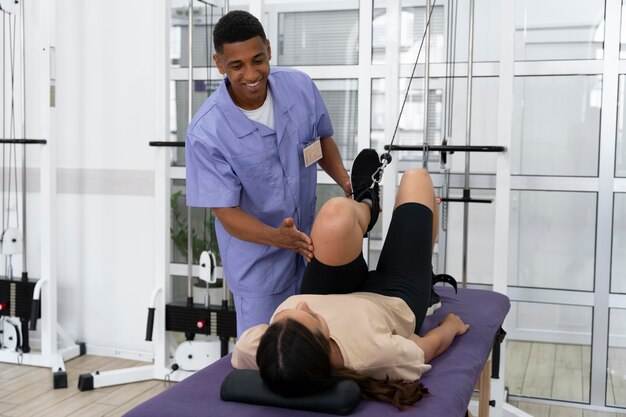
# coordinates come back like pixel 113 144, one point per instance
pixel 111 79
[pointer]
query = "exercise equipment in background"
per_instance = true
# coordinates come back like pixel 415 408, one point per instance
pixel 176 361
pixel 24 300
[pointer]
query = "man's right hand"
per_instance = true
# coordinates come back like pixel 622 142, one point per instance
pixel 243 226
pixel 289 237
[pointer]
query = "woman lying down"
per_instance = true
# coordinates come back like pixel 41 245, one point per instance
pixel 351 323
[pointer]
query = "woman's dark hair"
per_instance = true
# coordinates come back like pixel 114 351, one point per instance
pixel 236 26
pixel 294 361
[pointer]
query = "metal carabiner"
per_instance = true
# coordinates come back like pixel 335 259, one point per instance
pixel 377 176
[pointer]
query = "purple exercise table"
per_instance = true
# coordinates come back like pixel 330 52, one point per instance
pixel 451 380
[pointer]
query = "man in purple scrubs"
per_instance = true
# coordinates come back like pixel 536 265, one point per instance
pixel 252 151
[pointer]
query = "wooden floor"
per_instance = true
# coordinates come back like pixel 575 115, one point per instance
pixel 533 369
pixel 27 391
pixel 561 372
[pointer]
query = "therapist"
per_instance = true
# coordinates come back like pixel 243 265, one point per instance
pixel 252 152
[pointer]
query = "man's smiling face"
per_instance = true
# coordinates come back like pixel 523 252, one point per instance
pixel 247 66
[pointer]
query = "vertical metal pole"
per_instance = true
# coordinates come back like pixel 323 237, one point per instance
pixel 426 83
pixel 163 343
pixel 605 208
pixel 3 109
pixel 3 91
pixel 189 113
pixel 468 133
pixel 503 186
pixel 23 47
pixel 392 105
pixel 225 291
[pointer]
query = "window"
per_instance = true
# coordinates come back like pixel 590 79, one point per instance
pixel 340 97
pixel 551 30
pixel 552 239
pixel 556 125
pixel 318 38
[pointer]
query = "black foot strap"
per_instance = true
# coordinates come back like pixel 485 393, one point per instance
pixel 372 195
pixel 446 279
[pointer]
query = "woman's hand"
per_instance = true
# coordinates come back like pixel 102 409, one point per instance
pixel 437 340
pixel 456 323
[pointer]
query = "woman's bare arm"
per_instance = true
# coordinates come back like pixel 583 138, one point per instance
pixel 436 341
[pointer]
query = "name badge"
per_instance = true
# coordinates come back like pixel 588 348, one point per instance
pixel 312 153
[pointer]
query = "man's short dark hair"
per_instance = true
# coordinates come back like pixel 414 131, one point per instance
pixel 236 26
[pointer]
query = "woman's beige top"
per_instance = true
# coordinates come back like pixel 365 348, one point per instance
pixel 371 331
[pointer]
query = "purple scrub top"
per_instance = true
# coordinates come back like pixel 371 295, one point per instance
pixel 234 161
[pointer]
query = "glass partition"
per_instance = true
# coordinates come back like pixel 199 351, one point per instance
pixel 622 43
pixel 205 17
pixel 552 239
pixel 377 116
pixel 552 356
pixel 481 230
pixel 179 114
pixel 554 30
pixel 203 227
pixel 620 145
pixel 484 122
pixel 447 114
pixel 341 99
pixel 449 25
pixel 618 258
pixel 556 125
pixel 328 37
pixel 616 375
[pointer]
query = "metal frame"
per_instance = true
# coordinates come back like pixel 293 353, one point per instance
pixel 56 345
pixel 163 342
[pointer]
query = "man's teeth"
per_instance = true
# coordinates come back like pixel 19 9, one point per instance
pixel 253 84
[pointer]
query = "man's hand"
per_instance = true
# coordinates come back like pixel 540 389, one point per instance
pixel 347 189
pixel 243 226
pixel 289 237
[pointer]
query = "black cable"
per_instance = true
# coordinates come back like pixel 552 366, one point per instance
pixel 17 208
pixel 453 59
pixel 12 135
pixel 13 147
pixel 447 97
pixel 408 88
pixel 205 242
pixel 17 211
pixel 450 67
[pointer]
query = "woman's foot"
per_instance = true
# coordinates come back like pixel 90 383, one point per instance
pixel 435 301
pixel 364 188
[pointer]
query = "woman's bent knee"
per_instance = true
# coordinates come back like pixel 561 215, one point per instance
pixel 336 207
pixel 336 213
pixel 417 175
pixel 416 186
pixel 337 236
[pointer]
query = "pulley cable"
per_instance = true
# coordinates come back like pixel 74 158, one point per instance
pixel 385 158
pixel 450 68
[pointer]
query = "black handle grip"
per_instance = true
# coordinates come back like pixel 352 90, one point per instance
pixel 34 314
pixel 150 324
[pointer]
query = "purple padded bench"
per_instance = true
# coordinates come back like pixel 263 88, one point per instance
pixel 451 380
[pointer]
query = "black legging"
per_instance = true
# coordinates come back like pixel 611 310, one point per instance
pixel 404 268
